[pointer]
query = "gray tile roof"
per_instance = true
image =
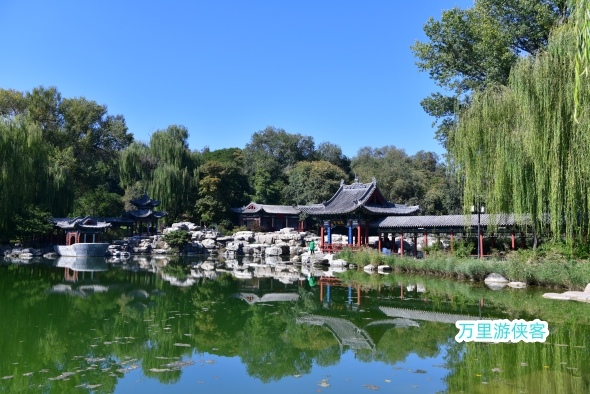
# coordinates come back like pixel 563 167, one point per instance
pixel 87 223
pixel 350 198
pixel 275 209
pixel 146 214
pixel 450 221
pixel 145 202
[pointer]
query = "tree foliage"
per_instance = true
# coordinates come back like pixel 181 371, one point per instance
pixel 268 155
pixel 221 187
pixel 166 168
pixel 416 180
pixel 177 239
pixel 519 149
pixel 313 182
pixel 469 50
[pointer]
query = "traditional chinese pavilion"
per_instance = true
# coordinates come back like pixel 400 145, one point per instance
pixel 354 207
pixel 145 217
pixel 80 236
pixel 269 217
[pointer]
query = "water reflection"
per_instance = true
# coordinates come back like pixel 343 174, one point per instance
pixel 158 323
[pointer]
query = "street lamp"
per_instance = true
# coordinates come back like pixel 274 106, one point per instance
pixel 479 209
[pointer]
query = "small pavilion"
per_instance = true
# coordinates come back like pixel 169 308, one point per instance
pixel 353 207
pixel 269 217
pixel 79 230
pixel 145 216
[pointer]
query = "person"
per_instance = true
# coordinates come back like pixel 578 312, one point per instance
pixel 312 247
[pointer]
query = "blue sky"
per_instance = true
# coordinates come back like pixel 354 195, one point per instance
pixel 340 71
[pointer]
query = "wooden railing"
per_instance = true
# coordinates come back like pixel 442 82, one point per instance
pixel 334 248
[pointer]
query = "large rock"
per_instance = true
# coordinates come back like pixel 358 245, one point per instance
pixel 209 243
pixel 495 278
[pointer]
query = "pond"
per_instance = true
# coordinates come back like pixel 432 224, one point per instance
pixel 150 325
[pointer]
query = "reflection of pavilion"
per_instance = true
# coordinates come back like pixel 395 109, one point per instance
pixel 346 333
pixel 73 266
pixel 417 314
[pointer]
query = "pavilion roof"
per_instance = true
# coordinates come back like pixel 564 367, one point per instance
pixel 144 202
pixel 275 209
pixel 80 223
pixel 358 196
pixel 146 214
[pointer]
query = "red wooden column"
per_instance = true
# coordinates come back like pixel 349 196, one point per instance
pixel 401 244
pixel 452 239
pixel 379 243
pixel 415 245
pixel 513 240
pixel 425 238
pixel 359 236
pixel 321 237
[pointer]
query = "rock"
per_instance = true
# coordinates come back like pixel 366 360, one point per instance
pixel 338 263
pixel 383 268
pixel 273 251
pixel 495 278
pixel 517 285
pixel 209 243
pixel 496 285
pixel 587 289
pixel 556 296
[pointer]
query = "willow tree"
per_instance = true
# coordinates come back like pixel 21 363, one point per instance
pixel 29 177
pixel 519 149
pixel 165 168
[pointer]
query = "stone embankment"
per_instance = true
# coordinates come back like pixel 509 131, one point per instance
pixel 285 242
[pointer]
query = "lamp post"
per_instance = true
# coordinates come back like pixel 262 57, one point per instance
pixel 479 209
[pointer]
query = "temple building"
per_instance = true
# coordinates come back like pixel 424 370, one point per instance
pixel 145 217
pixel 353 208
pixel 268 217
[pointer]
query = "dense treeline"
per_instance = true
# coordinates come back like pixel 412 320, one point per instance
pixel 62 157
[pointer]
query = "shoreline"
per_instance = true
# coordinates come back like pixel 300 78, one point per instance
pixel 555 272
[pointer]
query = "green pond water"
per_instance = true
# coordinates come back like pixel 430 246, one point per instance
pixel 155 326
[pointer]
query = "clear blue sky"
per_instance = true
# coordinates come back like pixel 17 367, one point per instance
pixel 340 71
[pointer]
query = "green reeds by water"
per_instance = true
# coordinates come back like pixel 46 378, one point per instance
pixel 570 274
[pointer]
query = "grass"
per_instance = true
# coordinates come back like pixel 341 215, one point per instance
pixel 541 269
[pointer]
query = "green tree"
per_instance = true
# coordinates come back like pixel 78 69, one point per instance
pixel 313 182
pixel 32 223
pixel 221 187
pixel 166 168
pixel 476 47
pixel 416 180
pixel 328 151
pixel 268 155
pixel 99 202
pixel 519 149
pixel 81 142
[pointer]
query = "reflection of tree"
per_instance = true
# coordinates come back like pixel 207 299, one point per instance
pixel 538 367
pixel 425 341
pixel 266 352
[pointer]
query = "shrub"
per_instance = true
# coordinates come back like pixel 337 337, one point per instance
pixel 177 239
